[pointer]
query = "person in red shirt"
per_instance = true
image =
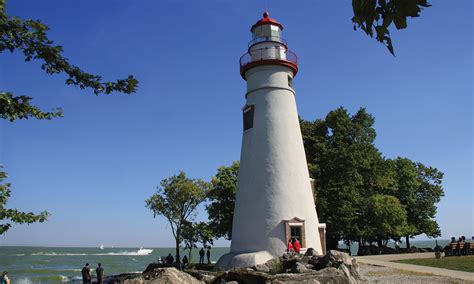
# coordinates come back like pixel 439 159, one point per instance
pixel 290 246
pixel 297 246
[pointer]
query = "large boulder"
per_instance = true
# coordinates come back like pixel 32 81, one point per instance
pixel 335 267
pixel 299 268
pixel 169 275
pixel 311 252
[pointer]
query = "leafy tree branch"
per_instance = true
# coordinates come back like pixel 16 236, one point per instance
pixel 379 15
pixel 30 37
pixel 9 216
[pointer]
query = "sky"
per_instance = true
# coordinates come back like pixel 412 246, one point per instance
pixel 93 169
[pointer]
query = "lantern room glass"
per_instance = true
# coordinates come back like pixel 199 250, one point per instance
pixel 266 31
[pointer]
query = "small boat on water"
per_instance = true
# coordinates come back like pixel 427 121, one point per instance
pixel 143 251
pixel 101 246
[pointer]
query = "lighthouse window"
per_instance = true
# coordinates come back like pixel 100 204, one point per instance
pixel 296 233
pixel 248 117
pixel 290 81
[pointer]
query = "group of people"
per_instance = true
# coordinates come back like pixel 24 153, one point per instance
pixel 202 253
pixel 87 275
pixel 458 247
pixel 170 260
pixel 294 246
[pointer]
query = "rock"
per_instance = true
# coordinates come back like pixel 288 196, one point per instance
pixel 246 276
pixel 335 267
pixel 262 268
pixel 309 266
pixel 133 281
pixel 169 275
pixel 202 275
pixel 288 263
pixel 299 268
pixel 311 252
pixel 333 258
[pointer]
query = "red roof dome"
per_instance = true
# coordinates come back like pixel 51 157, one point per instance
pixel 266 20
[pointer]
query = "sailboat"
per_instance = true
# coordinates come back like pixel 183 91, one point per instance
pixel 101 246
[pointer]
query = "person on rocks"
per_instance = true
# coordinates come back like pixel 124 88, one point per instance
pixel 177 264
pixel 169 259
pixel 208 254
pixel 201 256
pixel 5 279
pixel 185 261
pixel 289 247
pixel 86 274
pixel 100 273
pixel 297 246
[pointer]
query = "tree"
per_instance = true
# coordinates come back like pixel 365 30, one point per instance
pixel 194 233
pixel 386 217
pixel 381 14
pixel 30 38
pixel 419 190
pixel 176 199
pixel 8 216
pixel 222 200
pixel 347 168
pixel 428 194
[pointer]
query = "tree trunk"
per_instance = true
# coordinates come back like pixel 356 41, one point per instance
pixel 379 241
pixel 333 242
pixel 178 241
pixel 189 254
pixel 408 241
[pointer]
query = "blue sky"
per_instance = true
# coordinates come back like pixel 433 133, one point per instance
pixel 94 168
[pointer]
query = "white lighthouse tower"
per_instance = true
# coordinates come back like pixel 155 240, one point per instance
pixel 274 201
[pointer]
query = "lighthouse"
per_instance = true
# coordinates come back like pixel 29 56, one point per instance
pixel 274 200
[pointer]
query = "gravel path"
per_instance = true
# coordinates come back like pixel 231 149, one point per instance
pixel 381 274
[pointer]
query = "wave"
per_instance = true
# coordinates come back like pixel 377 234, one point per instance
pixel 17 254
pixel 60 278
pixel 140 252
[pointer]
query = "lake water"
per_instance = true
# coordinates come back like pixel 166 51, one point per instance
pixel 55 265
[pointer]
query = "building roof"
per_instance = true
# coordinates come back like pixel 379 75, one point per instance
pixel 266 20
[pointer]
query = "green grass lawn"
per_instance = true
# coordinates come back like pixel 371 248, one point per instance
pixel 462 263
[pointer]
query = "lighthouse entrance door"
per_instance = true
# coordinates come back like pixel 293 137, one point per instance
pixel 295 230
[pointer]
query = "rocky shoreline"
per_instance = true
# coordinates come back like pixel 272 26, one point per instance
pixel 334 267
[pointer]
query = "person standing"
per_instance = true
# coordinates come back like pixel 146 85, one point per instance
pixel 86 274
pixel 297 246
pixel 5 279
pixel 289 247
pixel 201 256
pixel 208 254
pixel 100 273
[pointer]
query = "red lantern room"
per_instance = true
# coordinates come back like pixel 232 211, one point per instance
pixel 267 47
